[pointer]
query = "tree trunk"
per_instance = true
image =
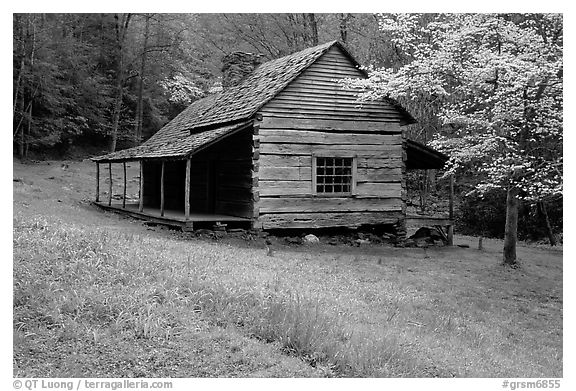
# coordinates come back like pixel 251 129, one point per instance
pixel 511 230
pixel 29 133
pixel 139 103
pixel 30 118
pixel 21 141
pixel 20 128
pixel 121 27
pixel 117 109
pixel 313 25
pixel 344 18
pixel 17 88
pixel 544 213
pixel 19 36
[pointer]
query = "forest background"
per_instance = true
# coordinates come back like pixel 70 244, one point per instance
pixel 84 84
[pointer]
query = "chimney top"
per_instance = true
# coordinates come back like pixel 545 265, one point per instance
pixel 237 66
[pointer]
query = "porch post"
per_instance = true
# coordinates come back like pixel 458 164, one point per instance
pixel 187 191
pixel 451 212
pixel 110 187
pixel 162 191
pixel 97 182
pixel 141 205
pixel 124 195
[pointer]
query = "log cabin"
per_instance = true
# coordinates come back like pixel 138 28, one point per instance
pixel 283 145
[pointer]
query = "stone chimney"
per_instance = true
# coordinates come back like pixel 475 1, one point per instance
pixel 237 66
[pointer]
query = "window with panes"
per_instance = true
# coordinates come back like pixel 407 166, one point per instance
pixel 334 175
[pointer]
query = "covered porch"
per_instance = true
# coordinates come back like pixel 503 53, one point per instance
pixel 206 181
pixel 421 157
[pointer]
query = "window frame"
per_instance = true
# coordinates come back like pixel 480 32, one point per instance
pixel 353 178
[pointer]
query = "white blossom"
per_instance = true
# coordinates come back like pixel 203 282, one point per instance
pixel 499 86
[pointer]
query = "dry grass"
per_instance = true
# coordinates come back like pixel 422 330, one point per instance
pixel 162 304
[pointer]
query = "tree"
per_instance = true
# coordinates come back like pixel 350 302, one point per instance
pixel 59 89
pixel 497 83
pixel 143 57
pixel 122 21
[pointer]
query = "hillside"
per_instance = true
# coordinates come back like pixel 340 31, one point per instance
pixel 99 295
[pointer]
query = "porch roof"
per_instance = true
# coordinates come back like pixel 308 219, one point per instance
pixel 419 156
pixel 175 149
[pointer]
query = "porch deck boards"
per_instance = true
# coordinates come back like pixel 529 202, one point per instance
pixel 171 217
pixel 415 222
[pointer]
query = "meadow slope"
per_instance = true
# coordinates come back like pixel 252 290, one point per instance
pixel 96 294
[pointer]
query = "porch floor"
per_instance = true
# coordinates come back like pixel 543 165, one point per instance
pixel 415 222
pixel 171 217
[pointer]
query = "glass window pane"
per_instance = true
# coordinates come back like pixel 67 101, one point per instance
pixel 333 175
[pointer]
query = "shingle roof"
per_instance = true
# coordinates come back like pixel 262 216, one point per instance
pixel 175 149
pixel 234 104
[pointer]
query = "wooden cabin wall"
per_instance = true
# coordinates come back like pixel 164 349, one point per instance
pixel 315 116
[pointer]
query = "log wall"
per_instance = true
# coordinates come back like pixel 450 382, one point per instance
pixel 313 116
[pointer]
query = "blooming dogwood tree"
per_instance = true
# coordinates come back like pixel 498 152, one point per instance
pixel 497 81
pixel 181 90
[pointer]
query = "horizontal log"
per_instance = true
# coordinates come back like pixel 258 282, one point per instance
pixel 327 82
pixel 333 63
pixel 379 174
pixel 328 204
pixel 330 117
pixel 352 107
pixel 335 59
pixel 340 150
pixel 330 111
pixel 329 124
pixel 328 61
pixel 285 173
pixel 341 63
pixel 373 189
pixel 320 88
pixel 338 69
pixel 329 96
pixel 309 92
pixel 335 52
pixel 323 220
pixel 326 72
pixel 393 162
pixel 284 188
pixel 285 161
pixel 315 137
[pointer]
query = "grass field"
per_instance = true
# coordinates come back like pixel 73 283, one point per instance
pixel 96 294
